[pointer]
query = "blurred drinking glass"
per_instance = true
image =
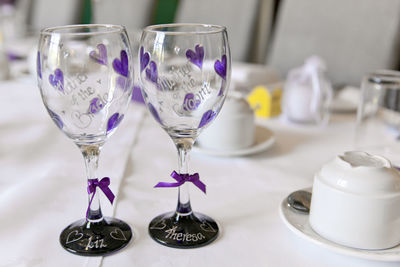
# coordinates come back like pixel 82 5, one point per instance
pixel 378 115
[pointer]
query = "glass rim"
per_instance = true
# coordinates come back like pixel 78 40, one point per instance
pixel 384 77
pixel 208 28
pixel 109 28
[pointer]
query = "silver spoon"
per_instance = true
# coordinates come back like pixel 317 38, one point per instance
pixel 300 201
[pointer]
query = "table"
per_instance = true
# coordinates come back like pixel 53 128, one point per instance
pixel 42 189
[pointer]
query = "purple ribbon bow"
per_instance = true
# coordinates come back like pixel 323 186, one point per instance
pixel 103 185
pixel 183 178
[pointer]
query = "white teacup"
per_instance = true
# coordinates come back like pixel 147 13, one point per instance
pixel 356 201
pixel 233 129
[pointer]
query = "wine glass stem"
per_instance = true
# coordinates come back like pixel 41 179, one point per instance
pixel 183 207
pixel 91 156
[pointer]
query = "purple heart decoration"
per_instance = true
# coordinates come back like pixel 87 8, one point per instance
pixel 197 56
pixel 208 116
pixel 57 80
pixel 100 56
pixel 220 67
pixel 121 66
pixel 154 112
pixel 151 72
pixel 57 120
pixel 114 121
pixel 144 59
pixel 190 103
pixel 95 105
pixel 38 65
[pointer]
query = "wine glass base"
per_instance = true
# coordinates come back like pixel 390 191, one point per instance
pixel 96 239
pixel 189 231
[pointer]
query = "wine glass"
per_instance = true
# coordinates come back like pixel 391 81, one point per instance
pixel 85 76
pixel 185 72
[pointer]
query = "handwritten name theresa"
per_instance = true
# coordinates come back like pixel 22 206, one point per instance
pixel 184 237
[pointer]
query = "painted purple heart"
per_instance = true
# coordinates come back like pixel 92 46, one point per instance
pixel 95 105
pixel 154 112
pixel 151 72
pixel 208 116
pixel 121 66
pixel 100 55
pixel 144 59
pixel 114 121
pixel 57 80
pixel 38 65
pixel 197 56
pixel 57 120
pixel 190 103
pixel 220 67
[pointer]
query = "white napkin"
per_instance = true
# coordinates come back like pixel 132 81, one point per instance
pixel 42 178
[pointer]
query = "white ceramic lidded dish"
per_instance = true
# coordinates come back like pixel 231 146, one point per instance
pixel 233 129
pixel 356 201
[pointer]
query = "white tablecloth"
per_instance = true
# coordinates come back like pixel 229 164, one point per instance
pixel 42 189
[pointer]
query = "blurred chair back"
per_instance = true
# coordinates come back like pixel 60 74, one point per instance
pixel 237 15
pixel 353 36
pixel 48 13
pixel 133 14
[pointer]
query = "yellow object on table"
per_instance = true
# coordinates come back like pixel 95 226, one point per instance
pixel 266 103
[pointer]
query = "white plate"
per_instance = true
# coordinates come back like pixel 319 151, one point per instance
pixel 264 139
pixel 299 224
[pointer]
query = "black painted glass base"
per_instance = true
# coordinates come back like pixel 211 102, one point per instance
pixel 96 239
pixel 189 231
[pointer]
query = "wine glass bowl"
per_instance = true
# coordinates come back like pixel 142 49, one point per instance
pixel 178 74
pixel 85 77
pixel 185 72
pixel 78 82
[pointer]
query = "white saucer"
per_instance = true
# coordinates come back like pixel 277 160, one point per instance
pixel 264 139
pixel 298 223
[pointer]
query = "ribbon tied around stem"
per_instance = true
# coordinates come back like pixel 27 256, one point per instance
pixel 103 184
pixel 182 178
